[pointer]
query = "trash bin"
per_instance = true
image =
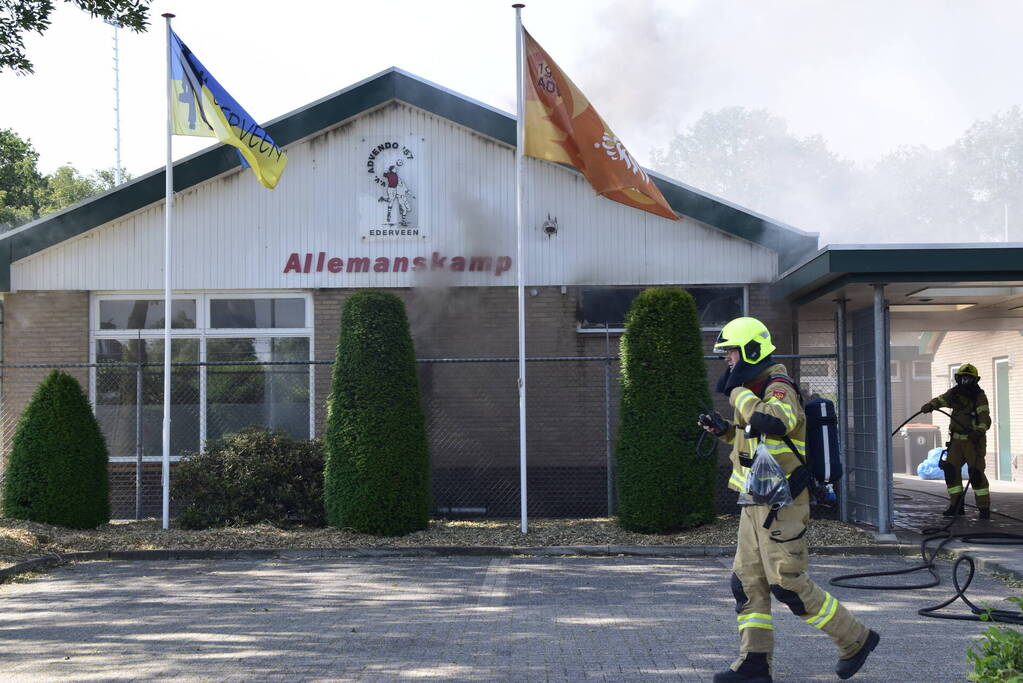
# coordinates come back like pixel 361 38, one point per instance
pixel 920 438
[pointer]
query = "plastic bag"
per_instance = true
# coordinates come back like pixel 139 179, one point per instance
pixel 766 482
pixel 928 469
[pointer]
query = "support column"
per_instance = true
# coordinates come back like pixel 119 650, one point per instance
pixel 843 408
pixel 882 372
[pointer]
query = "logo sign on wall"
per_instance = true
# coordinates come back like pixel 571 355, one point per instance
pixel 392 202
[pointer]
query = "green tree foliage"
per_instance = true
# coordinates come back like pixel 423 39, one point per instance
pixel 662 483
pixel 18 17
pixel 251 477
pixel 998 654
pixel 377 472
pixel 20 180
pixel 57 473
pixel 750 157
pixel 960 193
pixel 26 194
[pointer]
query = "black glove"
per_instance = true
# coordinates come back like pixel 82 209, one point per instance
pixel 714 421
pixel 927 408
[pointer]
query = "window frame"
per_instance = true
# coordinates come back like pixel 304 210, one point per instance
pixel 202 332
pixel 744 305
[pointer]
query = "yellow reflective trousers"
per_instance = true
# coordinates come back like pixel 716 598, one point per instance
pixel 773 561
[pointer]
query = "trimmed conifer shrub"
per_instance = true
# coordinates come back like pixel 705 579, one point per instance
pixel 662 484
pixel 377 470
pixel 57 472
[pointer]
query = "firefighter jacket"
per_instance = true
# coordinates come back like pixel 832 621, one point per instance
pixel 773 408
pixel 970 412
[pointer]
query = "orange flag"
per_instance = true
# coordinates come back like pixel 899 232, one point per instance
pixel 561 125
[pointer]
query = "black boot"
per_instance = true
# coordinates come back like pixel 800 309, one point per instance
pixel 754 669
pixel 956 508
pixel 847 668
pixel 984 513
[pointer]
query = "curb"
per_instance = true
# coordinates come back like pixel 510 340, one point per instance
pixel 673 551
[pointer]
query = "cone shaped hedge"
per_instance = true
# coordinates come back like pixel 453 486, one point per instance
pixel 377 469
pixel 57 473
pixel 662 484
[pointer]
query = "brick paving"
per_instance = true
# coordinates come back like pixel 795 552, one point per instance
pixel 448 618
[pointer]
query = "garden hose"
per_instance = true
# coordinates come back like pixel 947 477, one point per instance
pixel 943 535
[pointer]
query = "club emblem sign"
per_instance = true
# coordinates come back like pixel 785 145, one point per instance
pixel 391 167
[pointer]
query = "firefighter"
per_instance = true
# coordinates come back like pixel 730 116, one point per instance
pixel 771 553
pixel 967 443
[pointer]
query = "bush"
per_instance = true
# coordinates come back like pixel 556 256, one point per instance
pixel 999 654
pixel 377 474
pixel 662 484
pixel 57 473
pixel 251 477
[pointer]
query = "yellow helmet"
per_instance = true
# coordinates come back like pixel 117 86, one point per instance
pixel 749 335
pixel 968 370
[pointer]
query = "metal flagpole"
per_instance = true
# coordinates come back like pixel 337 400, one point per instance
pixel 520 129
pixel 168 204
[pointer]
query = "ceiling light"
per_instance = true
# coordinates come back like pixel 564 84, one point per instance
pixel 971 292
pixel 928 308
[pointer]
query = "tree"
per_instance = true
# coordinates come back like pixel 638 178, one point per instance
pixel 663 484
pixel 20 180
pixel 57 473
pixel 18 17
pixel 751 158
pixel 377 470
pixel 64 187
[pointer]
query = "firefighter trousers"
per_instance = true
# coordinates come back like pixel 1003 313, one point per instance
pixel 969 452
pixel 773 561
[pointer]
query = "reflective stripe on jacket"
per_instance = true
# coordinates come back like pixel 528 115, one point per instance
pixel 778 414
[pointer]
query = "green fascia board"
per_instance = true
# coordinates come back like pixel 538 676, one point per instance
pixel 375 91
pixel 838 265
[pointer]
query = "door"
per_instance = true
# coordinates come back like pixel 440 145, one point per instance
pixel 1003 439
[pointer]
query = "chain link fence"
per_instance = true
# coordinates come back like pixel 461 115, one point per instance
pixel 472 418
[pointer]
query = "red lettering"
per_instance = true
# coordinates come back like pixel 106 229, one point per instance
pixel 319 261
pixel 503 263
pixel 418 263
pixel 437 262
pixel 335 265
pixel 293 264
pixel 381 265
pixel 400 264
pixel 358 264
pixel 458 263
pixel 308 263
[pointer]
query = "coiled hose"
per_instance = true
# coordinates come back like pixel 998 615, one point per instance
pixel 943 536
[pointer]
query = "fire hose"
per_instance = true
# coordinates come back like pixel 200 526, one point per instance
pixel 943 536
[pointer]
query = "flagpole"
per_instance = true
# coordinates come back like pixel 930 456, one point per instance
pixel 168 204
pixel 519 139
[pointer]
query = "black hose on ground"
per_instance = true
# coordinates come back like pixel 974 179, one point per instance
pixel 943 536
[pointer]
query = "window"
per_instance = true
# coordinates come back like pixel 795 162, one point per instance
pixel 922 369
pixel 603 308
pixel 896 371
pixel 240 344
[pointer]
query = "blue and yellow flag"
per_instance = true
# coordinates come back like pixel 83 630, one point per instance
pixel 201 106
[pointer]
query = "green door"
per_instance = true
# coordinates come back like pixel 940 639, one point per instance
pixel 1002 419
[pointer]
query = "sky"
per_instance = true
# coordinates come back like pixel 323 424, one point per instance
pixel 867 75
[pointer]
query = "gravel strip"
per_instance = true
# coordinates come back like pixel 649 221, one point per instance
pixel 21 540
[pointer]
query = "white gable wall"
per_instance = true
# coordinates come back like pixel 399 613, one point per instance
pixel 231 233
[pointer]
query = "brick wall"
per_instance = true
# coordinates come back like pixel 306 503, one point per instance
pixel 472 408
pixel 39 327
pixel 982 349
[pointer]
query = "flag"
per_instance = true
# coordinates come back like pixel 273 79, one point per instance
pixel 561 125
pixel 200 106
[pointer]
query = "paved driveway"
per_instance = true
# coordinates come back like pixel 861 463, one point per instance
pixel 457 618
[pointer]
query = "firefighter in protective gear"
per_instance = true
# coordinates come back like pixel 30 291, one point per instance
pixel 771 553
pixel 971 418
